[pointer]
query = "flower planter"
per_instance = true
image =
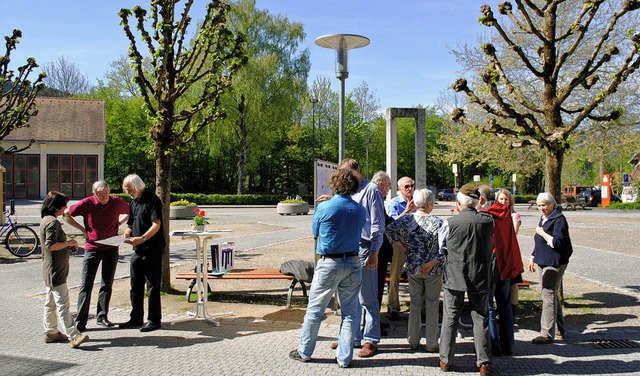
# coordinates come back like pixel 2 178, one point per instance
pixel 288 208
pixel 177 212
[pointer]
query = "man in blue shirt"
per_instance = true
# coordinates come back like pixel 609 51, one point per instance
pixel 337 224
pixel 397 207
pixel 371 196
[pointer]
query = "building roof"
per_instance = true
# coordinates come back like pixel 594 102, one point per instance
pixel 65 120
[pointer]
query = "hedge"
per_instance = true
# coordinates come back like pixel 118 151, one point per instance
pixel 222 199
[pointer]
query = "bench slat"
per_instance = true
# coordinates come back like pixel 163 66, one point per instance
pixel 241 274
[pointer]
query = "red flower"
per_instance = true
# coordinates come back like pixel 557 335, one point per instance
pixel 196 210
pixel 201 213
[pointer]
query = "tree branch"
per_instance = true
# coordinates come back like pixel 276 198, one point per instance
pixel 489 20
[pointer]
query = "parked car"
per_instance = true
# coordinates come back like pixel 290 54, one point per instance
pixel 446 195
pixel 593 197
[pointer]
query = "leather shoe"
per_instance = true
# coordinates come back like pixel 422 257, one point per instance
pixel 334 345
pixel 485 369
pixel 541 340
pixel 368 350
pixel 104 322
pixel 130 324
pixel 81 327
pixel 444 366
pixel 150 327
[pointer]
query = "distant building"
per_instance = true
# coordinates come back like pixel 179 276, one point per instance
pixel 68 153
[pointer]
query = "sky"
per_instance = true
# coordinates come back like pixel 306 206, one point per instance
pixel 407 62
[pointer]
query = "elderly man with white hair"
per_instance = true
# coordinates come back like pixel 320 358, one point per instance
pixel 466 243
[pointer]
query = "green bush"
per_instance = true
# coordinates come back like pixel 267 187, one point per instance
pixel 524 199
pixel 221 199
pixel 625 205
pixel 182 203
pixel 123 196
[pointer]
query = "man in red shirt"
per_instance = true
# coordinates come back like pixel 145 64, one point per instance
pixel 102 215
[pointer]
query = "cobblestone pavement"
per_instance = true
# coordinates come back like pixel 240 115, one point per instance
pixel 605 253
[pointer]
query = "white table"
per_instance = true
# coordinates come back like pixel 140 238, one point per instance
pixel 201 239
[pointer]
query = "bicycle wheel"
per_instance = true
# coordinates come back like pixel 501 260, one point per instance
pixel 21 241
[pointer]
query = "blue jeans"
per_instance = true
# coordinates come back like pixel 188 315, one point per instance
pixel 343 275
pixel 368 300
pixel 502 340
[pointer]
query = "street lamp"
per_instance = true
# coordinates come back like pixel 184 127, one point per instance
pixel 342 43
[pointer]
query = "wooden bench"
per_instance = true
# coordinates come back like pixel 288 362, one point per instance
pixel 246 274
pixel 532 204
pixel 570 203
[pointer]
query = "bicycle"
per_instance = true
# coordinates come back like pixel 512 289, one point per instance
pixel 20 240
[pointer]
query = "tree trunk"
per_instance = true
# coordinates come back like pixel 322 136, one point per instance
pixel 242 165
pixel 163 190
pixel 553 172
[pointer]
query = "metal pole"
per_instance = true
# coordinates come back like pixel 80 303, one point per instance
pixel 341 125
pixel 313 129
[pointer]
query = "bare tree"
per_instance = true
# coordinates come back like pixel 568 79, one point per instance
pixel 17 92
pixel 65 77
pixel 121 77
pixel 560 61
pixel 183 90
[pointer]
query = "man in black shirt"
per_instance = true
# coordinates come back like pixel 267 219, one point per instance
pixel 146 235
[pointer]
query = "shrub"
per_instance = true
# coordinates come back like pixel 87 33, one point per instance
pixel 182 203
pixel 297 199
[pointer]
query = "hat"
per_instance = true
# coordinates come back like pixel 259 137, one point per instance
pixel 471 190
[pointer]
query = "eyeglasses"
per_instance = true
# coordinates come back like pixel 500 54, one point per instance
pixel 409 186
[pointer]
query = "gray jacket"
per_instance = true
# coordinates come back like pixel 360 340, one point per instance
pixel 468 250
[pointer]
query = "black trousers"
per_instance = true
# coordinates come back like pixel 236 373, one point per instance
pixel 146 269
pixel 90 263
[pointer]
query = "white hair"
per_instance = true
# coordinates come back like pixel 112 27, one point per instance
pixel 99 185
pixel 423 197
pixel 134 180
pixel 466 201
pixel 547 198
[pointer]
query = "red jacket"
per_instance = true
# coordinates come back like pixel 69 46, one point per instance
pixel 505 242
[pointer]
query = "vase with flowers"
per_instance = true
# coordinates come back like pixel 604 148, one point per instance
pixel 199 220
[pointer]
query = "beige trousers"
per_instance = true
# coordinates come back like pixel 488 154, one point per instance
pixel 395 270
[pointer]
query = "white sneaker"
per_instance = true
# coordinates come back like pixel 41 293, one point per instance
pixel 78 340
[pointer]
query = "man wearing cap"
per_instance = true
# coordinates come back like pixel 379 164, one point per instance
pixel 466 244
pixel 397 207
pixel 506 264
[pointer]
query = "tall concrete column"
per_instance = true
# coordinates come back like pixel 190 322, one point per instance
pixel 420 173
pixel 392 151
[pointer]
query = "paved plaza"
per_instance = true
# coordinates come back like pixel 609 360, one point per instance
pixel 606 256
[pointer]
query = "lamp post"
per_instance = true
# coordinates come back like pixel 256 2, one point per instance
pixel 342 43
pixel 313 129
pixel 313 144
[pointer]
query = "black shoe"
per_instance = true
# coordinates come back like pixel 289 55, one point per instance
pixel 150 326
pixel 81 327
pixel 130 324
pixel 393 316
pixel 103 321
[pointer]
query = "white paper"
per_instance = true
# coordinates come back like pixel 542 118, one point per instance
pixel 112 241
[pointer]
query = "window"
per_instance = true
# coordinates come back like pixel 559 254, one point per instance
pixel 72 175
pixel 22 178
